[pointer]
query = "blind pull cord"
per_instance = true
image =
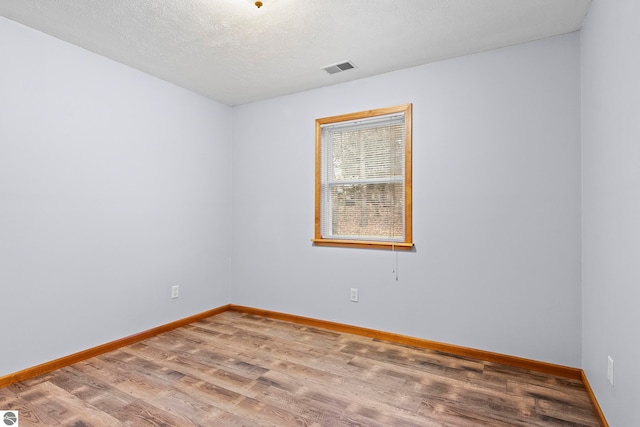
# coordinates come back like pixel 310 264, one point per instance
pixel 393 262
pixel 394 254
pixel 396 265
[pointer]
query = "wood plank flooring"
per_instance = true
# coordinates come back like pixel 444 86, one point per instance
pixel 238 369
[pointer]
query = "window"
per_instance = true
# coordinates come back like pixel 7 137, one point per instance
pixel 363 179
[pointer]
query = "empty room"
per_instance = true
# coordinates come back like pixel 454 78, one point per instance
pixel 319 213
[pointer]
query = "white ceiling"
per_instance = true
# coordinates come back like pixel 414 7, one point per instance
pixel 234 53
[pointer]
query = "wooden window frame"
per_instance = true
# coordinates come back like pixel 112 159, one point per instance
pixel 407 243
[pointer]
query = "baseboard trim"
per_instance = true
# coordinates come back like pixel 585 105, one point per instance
pixel 519 362
pixel 594 401
pixel 62 362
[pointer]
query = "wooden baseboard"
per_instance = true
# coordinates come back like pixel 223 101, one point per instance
pixel 594 401
pixel 519 362
pixel 46 367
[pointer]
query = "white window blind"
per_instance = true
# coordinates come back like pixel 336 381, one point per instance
pixel 363 179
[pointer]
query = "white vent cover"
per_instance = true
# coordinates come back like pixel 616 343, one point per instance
pixel 339 67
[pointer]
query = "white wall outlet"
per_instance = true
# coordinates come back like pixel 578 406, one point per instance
pixel 175 291
pixel 610 369
pixel 354 295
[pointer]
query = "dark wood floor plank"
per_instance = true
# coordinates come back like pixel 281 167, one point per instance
pixel 189 367
pixel 98 393
pixel 67 409
pixel 522 375
pixel 238 369
pixel 141 413
pixel 568 414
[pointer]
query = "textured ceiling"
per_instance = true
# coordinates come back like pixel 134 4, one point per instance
pixel 233 52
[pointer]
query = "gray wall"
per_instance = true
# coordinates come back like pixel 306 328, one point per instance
pixel 113 186
pixel 496 205
pixel 611 205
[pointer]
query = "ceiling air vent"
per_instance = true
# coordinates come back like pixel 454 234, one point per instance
pixel 338 68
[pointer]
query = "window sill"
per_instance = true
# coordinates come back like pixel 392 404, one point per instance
pixel 364 244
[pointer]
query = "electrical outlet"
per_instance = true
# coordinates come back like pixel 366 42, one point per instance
pixel 610 369
pixel 175 291
pixel 354 295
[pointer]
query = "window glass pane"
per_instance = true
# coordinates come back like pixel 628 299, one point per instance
pixel 367 211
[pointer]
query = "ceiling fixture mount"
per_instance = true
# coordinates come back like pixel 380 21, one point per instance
pixel 258 4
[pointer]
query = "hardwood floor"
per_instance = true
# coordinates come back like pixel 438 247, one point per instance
pixel 238 369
